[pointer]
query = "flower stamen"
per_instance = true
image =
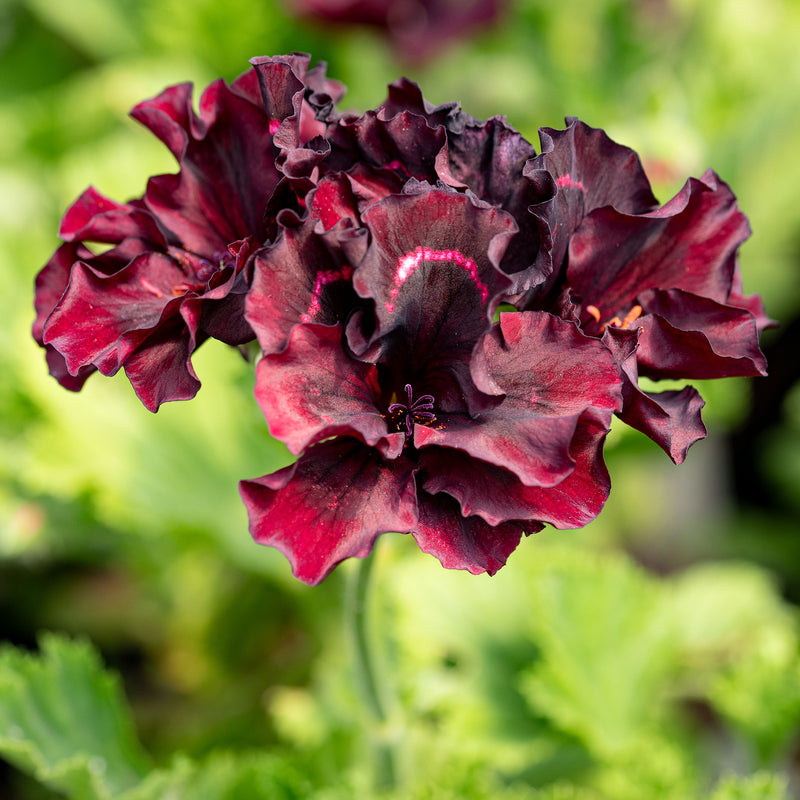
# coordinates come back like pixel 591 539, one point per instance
pixel 419 411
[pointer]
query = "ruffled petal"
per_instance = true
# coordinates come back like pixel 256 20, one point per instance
pixel 545 374
pixel 313 390
pixel 462 542
pixel 690 243
pixel 686 336
pixel 431 269
pixel 331 505
pixel 497 495
pixel 672 418
pixel 306 276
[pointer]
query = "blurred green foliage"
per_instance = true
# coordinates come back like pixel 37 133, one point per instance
pixel 574 674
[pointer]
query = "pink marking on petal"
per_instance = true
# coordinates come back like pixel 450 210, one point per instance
pixel 150 288
pixel 323 279
pixel 566 181
pixel 409 262
pixel 274 124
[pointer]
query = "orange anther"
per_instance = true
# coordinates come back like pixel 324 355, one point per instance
pixel 631 317
pixel 595 312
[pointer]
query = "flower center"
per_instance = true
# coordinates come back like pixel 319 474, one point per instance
pixel 402 416
pixel 616 322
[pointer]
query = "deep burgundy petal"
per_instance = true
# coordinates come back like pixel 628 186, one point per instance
pixel 96 218
pixel 313 390
pixel 227 165
pixel 405 143
pixel 547 374
pixel 405 95
pixel 590 171
pixel 160 367
pixel 461 542
pixel 97 311
pixel 489 158
pixel 306 276
pixel 686 336
pixel 689 243
pixel 431 268
pixel 672 418
pixel 331 505
pixel 497 495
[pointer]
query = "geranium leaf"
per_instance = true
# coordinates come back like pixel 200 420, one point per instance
pixel 64 720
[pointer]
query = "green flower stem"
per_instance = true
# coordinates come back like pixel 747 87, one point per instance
pixel 384 766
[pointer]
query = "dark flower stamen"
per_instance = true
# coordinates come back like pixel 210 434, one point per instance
pixel 419 410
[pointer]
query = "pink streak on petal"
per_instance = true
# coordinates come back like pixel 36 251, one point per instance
pixel 566 181
pixel 409 262
pixel 274 124
pixel 322 280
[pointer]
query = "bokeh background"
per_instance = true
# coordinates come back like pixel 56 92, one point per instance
pixel 655 653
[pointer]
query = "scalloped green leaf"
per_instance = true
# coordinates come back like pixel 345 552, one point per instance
pixel 759 786
pixel 607 651
pixel 64 720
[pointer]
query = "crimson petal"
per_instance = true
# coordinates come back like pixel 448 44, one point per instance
pixel 330 505
pixel 461 542
pixel 313 390
pixel 498 496
pixel 547 374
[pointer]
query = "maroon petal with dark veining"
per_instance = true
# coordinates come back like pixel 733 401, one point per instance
pixel 313 390
pixel 431 269
pixel 331 505
pixel 497 495
pixel 591 171
pixel 690 243
pixel 686 336
pixel 227 163
pixel 547 374
pixel 489 159
pixel 404 142
pixel 671 418
pixel 462 542
pixel 306 276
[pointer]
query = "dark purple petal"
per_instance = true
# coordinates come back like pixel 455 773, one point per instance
pixel 461 542
pixel 431 268
pixel 313 390
pixel 331 505
pixel 547 374
pixel 498 496
pixel 590 171
pixel 227 165
pixel 689 243
pixel 405 143
pixel 489 159
pixel 306 276
pixel 405 95
pixel 671 418
pixel 686 336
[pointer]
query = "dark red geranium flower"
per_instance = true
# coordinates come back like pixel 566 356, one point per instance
pixel 418 29
pixel 430 419
pixel 659 285
pixel 175 273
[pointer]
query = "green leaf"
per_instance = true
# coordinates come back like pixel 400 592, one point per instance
pixel 64 720
pixel 760 786
pixel 606 650
pixel 225 776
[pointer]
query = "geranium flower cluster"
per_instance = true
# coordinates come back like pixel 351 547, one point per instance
pixel 447 321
